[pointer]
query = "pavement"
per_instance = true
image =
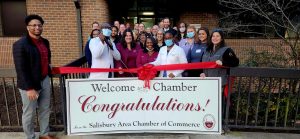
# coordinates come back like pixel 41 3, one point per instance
pixel 229 135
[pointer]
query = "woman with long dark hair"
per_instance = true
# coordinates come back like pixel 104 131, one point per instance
pixel 182 31
pixel 203 36
pixel 114 34
pixel 129 51
pixel 218 52
pixel 197 50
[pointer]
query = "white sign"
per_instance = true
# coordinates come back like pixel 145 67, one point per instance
pixel 123 105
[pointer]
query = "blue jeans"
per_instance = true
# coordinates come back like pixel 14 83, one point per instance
pixel 29 110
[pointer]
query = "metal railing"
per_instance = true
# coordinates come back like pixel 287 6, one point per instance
pixel 264 98
pixel 260 99
pixel 11 103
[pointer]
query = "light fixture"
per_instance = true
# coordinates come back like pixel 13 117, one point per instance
pixel 148 13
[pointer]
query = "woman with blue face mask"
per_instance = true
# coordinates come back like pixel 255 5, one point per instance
pixel 192 50
pixel 170 54
pixel 190 39
pixel 196 52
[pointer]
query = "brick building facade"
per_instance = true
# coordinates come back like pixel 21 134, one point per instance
pixel 61 27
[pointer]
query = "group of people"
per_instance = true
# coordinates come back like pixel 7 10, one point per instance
pixel 116 46
pixel 119 46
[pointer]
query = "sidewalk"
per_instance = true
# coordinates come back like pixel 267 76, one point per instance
pixel 230 135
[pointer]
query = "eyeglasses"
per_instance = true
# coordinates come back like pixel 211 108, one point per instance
pixel 36 25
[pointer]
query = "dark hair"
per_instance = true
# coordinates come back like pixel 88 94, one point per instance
pixel 143 33
pixel 91 35
pixel 221 44
pixel 155 46
pixel 172 32
pixel 33 16
pixel 207 33
pixel 179 33
pixel 115 27
pixel 166 18
pixel 123 42
pixel 105 25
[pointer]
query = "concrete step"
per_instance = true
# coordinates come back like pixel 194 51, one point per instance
pixel 230 135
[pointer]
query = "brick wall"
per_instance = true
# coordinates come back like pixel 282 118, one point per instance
pixel 241 46
pixel 60 28
pixel 6 58
pixel 92 10
pixel 1 31
pixel 208 20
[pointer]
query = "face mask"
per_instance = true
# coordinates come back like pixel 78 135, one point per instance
pixel 182 29
pixel 169 42
pixel 106 32
pixel 150 50
pixel 190 34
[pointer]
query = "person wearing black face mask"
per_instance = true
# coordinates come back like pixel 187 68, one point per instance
pixel 103 52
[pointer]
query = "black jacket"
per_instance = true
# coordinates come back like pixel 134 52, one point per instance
pixel 27 63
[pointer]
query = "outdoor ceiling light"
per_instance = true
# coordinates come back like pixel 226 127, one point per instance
pixel 148 13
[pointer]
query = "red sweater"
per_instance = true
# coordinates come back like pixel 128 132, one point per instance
pixel 44 55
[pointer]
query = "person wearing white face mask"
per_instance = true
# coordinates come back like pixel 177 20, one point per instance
pixel 170 54
pixel 182 30
pixel 103 52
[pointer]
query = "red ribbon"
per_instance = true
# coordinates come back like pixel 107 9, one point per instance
pixel 199 65
pixel 146 73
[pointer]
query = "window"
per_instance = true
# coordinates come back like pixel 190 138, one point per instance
pixel 12 15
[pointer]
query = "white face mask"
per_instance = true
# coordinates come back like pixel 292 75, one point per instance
pixel 150 50
pixel 106 32
pixel 182 29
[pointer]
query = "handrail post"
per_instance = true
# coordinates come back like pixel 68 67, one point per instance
pixel 226 128
pixel 63 100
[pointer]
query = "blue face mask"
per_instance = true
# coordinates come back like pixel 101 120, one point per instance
pixel 190 34
pixel 169 42
pixel 106 32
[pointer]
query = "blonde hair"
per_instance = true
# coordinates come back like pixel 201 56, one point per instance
pixel 196 34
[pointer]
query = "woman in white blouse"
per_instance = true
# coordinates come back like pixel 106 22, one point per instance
pixel 170 54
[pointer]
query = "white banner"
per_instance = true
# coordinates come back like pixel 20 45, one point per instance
pixel 123 105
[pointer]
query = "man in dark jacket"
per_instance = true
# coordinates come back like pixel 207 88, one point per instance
pixel 32 62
